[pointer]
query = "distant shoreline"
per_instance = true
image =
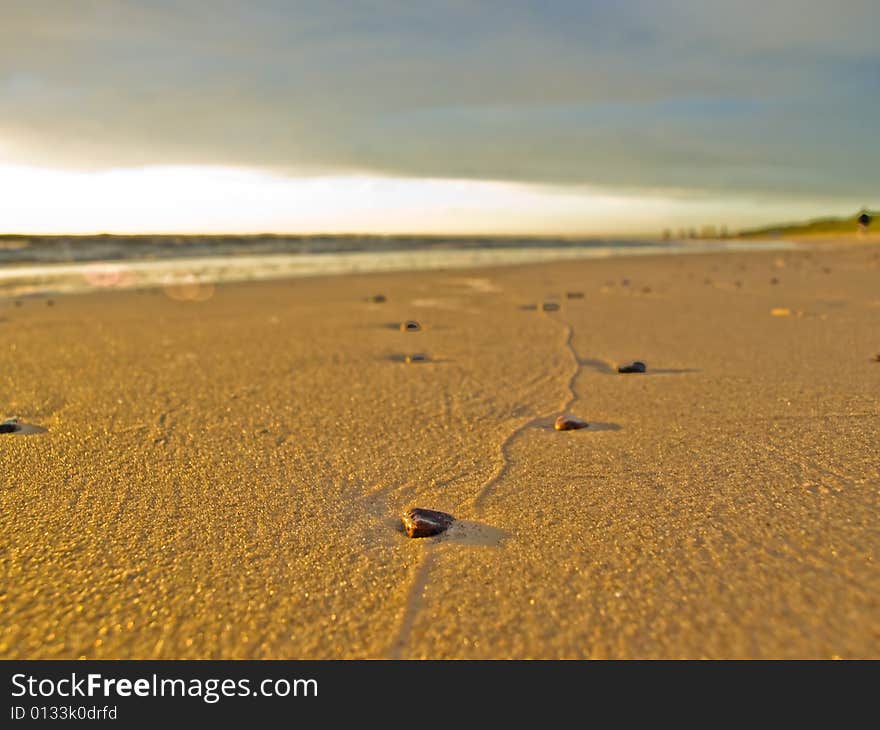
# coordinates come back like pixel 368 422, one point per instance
pixel 46 271
pixel 847 239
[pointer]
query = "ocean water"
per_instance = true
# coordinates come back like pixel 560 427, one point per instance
pixel 63 265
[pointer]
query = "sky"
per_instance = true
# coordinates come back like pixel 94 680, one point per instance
pixel 548 117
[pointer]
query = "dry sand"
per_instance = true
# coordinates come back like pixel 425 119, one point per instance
pixel 222 478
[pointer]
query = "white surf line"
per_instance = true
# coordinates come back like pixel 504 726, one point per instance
pixel 84 276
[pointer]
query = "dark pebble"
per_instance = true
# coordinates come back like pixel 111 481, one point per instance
pixel 774 280
pixel 415 357
pixel 550 306
pixel 50 303
pixel 420 522
pixel 8 428
pixel 569 423
pixel 575 295
pixel 410 326
pixel 636 367
pixel 378 299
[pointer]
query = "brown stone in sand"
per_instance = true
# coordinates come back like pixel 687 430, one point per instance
pixel 575 295
pixel 420 522
pixel 550 306
pixel 410 325
pixel 569 423
pixel 415 357
pixel 636 367
pixel 378 298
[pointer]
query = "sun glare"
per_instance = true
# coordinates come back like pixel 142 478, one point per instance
pixel 210 199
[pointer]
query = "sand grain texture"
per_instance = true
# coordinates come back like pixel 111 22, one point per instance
pixel 224 478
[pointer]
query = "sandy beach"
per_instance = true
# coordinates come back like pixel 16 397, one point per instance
pixel 222 473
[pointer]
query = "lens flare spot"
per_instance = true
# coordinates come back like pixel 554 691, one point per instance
pixel 187 288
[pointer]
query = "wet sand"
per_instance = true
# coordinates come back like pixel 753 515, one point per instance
pixel 222 475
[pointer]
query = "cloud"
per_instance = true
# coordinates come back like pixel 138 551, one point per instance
pixel 771 97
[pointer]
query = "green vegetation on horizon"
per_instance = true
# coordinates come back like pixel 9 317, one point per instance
pixel 816 226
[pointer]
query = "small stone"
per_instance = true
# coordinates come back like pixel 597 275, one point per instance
pixel 575 295
pixel 420 522
pixel 9 426
pixel 410 326
pixel 378 299
pixel 877 357
pixel 774 280
pixel 635 367
pixel 569 423
pixel 50 303
pixel 550 306
pixel 415 357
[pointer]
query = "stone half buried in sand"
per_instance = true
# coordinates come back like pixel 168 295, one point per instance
pixel 418 522
pixel 634 367
pixel 415 357
pixel 410 325
pixel 550 306
pixel 569 423
pixel 16 426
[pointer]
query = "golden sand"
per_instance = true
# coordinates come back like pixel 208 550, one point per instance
pixel 223 474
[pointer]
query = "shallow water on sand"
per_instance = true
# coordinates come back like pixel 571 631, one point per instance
pixel 23 276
